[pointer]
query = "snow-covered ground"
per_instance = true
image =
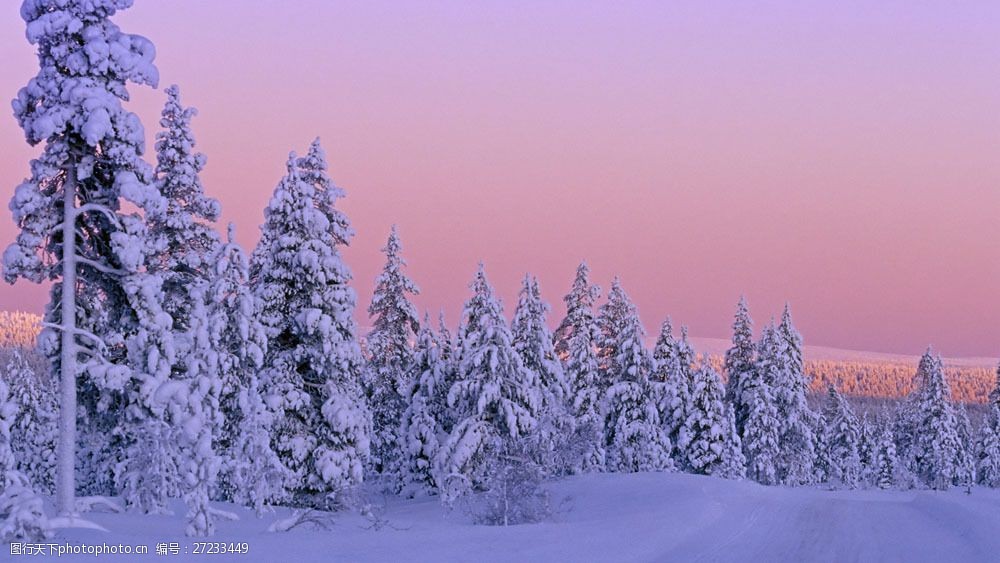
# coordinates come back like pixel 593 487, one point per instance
pixel 624 517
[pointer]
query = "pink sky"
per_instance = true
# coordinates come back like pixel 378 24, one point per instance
pixel 844 158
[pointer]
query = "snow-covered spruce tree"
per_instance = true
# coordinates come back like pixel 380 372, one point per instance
pixel 21 514
pixel 885 465
pixel 394 326
pixel 34 432
pixel 496 395
pixel 552 440
pixel 419 429
pixel 73 229
pixel 194 407
pixel 706 426
pixel 251 473
pixel 444 415
pixel 966 474
pixel 313 361
pixel 822 463
pixel 795 466
pixel 762 428
pixel 183 236
pixel 182 243
pixel 734 463
pixel 988 449
pixel 635 439
pixel 842 438
pixel 740 362
pixel 672 390
pixel 936 448
pixel 576 343
pixel 868 438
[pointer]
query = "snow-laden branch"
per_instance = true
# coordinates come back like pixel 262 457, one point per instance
pixel 111 216
pixel 81 332
pixel 101 267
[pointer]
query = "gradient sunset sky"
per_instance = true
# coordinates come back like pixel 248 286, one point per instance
pixel 843 156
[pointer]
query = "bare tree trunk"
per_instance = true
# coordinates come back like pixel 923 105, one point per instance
pixel 66 480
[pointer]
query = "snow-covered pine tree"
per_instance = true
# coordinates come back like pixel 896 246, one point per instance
pixel 762 428
pixel 796 458
pixel 109 328
pixel 497 397
pixel 842 439
pixel 988 449
pixel 936 447
pixel 532 340
pixel 419 429
pixel 672 390
pixel 35 430
pixel 886 465
pixel 740 362
pixel 706 427
pixel 313 361
pixel 576 343
pixel 394 326
pixel 635 439
pixel 20 508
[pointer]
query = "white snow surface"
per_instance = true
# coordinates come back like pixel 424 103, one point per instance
pixel 621 517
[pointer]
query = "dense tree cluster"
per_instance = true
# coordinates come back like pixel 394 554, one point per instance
pixel 195 372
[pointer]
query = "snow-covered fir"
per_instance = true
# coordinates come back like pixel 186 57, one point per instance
pixel 497 398
pixel 673 390
pixel 34 431
pixel 576 343
pixel 634 437
pixel 762 427
pixel 740 363
pixel 394 325
pixel 935 453
pixel 795 466
pixel 312 367
pixel 843 436
pixel 532 340
pixel 706 427
pixel 420 426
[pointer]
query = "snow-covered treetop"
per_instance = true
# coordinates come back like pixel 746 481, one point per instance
pixel 395 317
pixel 533 341
pixel 494 385
pixel 740 357
pixel 793 341
pixel 665 352
pixel 930 374
pixel 74 105
pixel 579 310
pixel 313 170
pixel 622 351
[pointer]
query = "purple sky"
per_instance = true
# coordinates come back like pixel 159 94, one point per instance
pixel 842 156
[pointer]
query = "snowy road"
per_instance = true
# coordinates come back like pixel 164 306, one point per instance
pixel 642 517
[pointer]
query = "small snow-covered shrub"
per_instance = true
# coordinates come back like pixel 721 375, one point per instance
pixel 513 492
